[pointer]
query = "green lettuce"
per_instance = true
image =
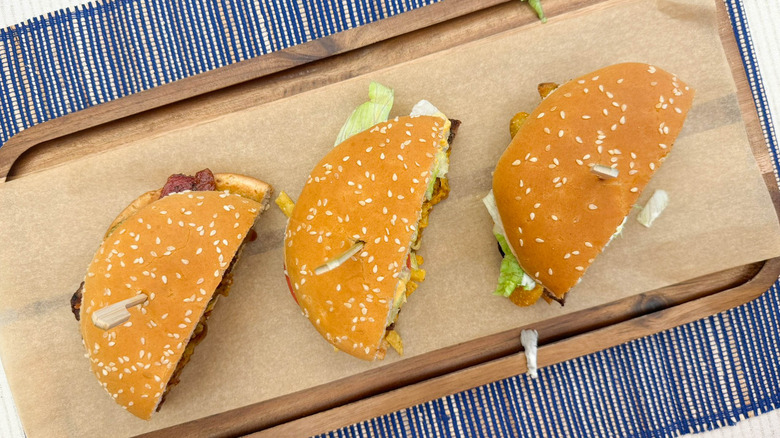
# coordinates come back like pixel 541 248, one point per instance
pixel 537 7
pixel 440 169
pixel 512 275
pixel 368 114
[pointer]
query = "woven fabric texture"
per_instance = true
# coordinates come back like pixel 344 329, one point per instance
pixel 700 376
pixel 61 63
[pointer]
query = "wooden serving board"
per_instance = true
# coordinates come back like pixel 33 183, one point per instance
pixel 346 55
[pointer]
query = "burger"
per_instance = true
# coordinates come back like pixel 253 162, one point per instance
pixel 574 169
pixel 172 250
pixel 352 238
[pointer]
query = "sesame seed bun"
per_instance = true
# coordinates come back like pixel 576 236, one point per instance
pixel 369 188
pixel 175 250
pixel 557 215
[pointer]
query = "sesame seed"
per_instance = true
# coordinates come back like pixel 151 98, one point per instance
pixel 586 117
pixel 652 166
pixel 634 189
pixel 566 256
pixel 540 115
pixel 579 268
pixel 550 271
pixel 563 114
pixel 532 215
pixel 592 206
pixel 560 133
pixel 516 163
pixel 589 245
pixel 539 240
pixel 606 113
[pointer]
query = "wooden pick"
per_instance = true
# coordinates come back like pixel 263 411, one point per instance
pixel 604 172
pixel 115 314
pixel 336 262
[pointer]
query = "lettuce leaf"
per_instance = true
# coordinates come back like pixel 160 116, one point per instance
pixel 537 7
pixel 440 169
pixel 653 208
pixel 512 275
pixel 368 114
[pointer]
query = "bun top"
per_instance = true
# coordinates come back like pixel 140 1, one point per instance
pixel 557 215
pixel 175 250
pixel 369 188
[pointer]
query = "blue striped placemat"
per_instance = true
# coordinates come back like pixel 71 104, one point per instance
pixel 700 376
pixel 74 59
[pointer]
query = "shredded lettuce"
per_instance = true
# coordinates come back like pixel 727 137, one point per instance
pixel 440 169
pixel 537 7
pixel 512 275
pixel 653 208
pixel 618 231
pixel 490 203
pixel 442 163
pixel 368 114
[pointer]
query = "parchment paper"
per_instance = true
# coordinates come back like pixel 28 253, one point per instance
pixel 259 346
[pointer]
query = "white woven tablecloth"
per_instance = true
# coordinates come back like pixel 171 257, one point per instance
pixel 763 16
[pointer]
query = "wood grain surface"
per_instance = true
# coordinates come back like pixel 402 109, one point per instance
pixel 413 372
pixel 346 55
